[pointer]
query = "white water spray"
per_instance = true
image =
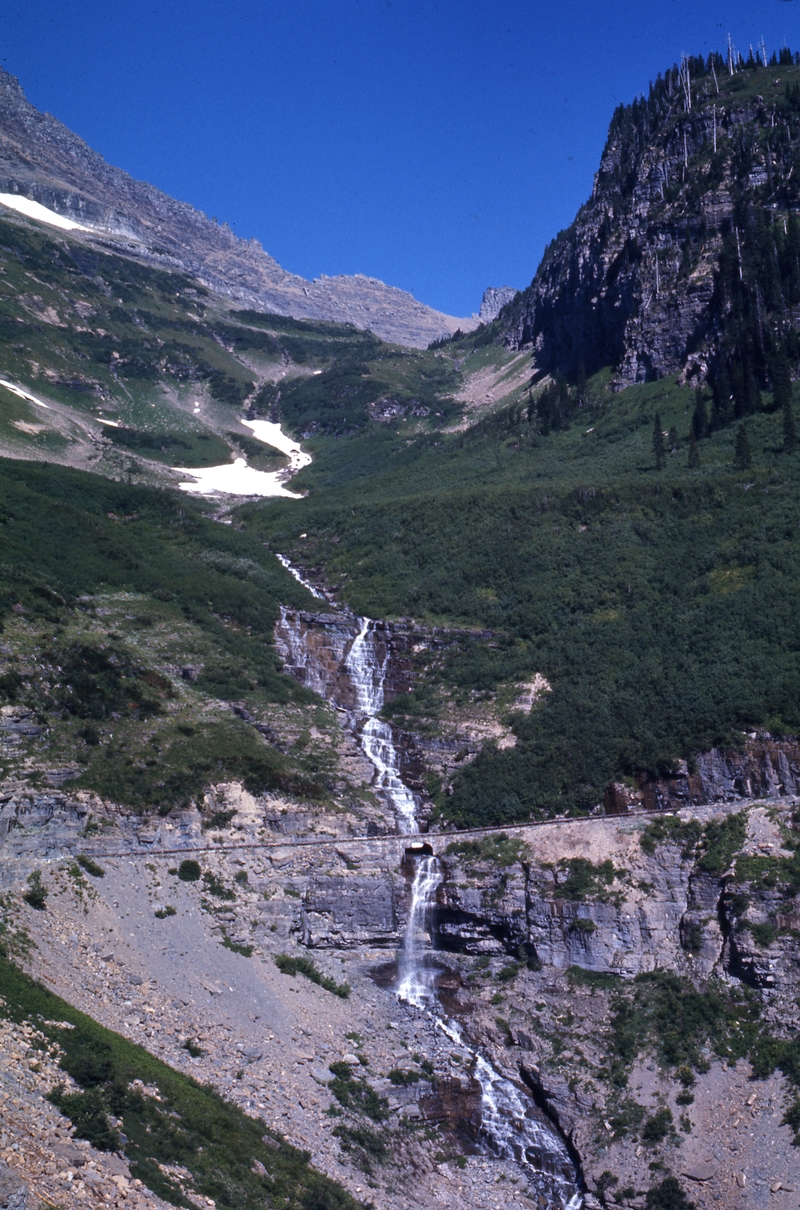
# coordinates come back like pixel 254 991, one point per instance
pixel 511 1127
pixel 368 677
pixel 415 976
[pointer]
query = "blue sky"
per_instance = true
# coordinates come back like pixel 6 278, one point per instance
pixel 438 146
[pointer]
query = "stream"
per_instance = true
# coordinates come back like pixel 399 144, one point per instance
pixel 512 1127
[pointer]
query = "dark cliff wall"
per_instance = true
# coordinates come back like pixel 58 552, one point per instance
pixel 684 182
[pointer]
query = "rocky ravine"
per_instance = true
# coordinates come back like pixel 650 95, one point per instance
pixel 43 160
pixel 538 936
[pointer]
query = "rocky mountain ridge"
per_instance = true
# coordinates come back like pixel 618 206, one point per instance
pixel 41 159
pixel 687 176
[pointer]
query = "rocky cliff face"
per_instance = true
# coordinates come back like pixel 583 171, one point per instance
pixel 494 299
pixel 43 160
pixel 314 647
pixel 632 283
pixel 545 938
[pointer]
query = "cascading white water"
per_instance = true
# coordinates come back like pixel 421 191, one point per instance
pixel 510 1128
pixel 368 676
pixel 415 976
pixel 284 562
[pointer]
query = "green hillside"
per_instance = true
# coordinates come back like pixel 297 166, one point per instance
pixel 129 623
pixel 454 485
pixel 659 604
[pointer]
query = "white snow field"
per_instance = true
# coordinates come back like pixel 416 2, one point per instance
pixel 26 206
pixel 239 479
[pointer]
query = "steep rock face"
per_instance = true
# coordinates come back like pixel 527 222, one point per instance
pixel 314 649
pixel 494 299
pixel 41 159
pixel 631 283
pixel 765 767
pixel 348 912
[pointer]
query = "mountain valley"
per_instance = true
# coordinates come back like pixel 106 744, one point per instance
pixel 415 818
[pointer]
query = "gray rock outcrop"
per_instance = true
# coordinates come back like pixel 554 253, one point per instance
pixel 631 283
pixel 494 299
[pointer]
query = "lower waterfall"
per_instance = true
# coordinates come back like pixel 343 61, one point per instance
pixel 511 1126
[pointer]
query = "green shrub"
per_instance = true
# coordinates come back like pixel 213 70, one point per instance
pixel 90 866
pixel 354 1093
pixel 89 1116
pixel 763 934
pixel 584 879
pixel 721 840
pixel 670 829
pixel 37 892
pixel 580 977
pixel 403 1078
pixel 189 870
pixel 667 1013
pixel 501 850
pixel 304 966
pixel 235 947
pixel 217 888
pixel 657 1127
pixel 668 1195
pixel 189 1125
pixel 366 1146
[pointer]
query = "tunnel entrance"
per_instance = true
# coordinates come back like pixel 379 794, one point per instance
pixel 419 848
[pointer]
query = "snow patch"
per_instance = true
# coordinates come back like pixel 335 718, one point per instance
pixel 270 434
pixel 235 479
pixel 23 394
pixel 43 214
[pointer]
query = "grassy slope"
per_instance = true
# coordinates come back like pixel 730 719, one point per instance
pixel 93 642
pixel 184 1124
pixel 99 335
pixel 658 604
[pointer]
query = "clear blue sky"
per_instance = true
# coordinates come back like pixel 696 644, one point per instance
pixel 438 146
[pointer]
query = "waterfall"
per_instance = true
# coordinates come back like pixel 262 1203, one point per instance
pixel 284 562
pixel 367 672
pixel 511 1126
pixel 415 976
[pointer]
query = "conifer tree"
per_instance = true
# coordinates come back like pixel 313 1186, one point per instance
pixel 781 380
pixel 789 429
pixel 658 443
pixel 694 454
pixel 742 458
pixel 580 383
pixel 700 417
pixel 722 396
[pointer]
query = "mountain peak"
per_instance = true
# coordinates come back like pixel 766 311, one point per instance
pixel 40 159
